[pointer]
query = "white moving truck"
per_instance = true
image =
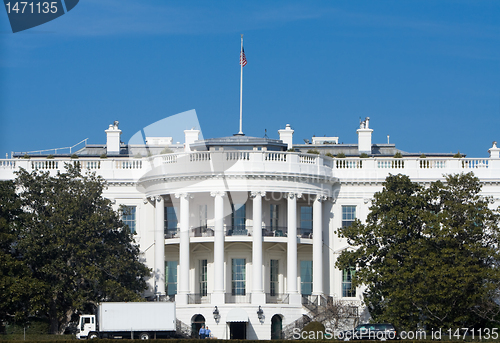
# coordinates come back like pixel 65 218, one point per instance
pixel 142 320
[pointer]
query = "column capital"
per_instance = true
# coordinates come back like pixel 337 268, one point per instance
pixel 291 195
pixel 153 199
pixel 321 197
pixel 218 193
pixel 254 194
pixel 183 195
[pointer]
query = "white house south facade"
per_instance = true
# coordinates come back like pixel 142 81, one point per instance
pixel 241 231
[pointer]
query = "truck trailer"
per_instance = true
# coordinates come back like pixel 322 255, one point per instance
pixel 143 320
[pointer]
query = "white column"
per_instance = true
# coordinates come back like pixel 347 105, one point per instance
pixel 183 276
pixel 294 296
pixel 217 297
pixel 258 295
pixel 159 245
pixel 318 245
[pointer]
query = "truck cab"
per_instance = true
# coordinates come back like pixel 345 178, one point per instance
pixel 86 324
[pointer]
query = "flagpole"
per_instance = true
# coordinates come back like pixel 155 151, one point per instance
pixel 241 90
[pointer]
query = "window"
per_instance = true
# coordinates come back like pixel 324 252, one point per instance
pixel 238 276
pixel 306 219
pixel 203 278
pixel 274 269
pixel 170 226
pixel 274 216
pixel 348 215
pixel 347 289
pixel 203 215
pixel 171 277
pixel 238 219
pixel 128 217
pixel 306 277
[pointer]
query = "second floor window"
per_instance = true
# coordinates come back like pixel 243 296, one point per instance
pixel 306 219
pixel 238 218
pixel 170 221
pixel 274 274
pixel 347 288
pixel 306 277
pixel 274 216
pixel 171 277
pixel 348 215
pixel 238 276
pixel 203 278
pixel 128 217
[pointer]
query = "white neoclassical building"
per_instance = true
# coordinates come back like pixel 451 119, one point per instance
pixel 241 231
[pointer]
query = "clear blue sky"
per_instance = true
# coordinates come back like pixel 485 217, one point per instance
pixel 427 73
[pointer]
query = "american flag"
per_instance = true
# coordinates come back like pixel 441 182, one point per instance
pixel 243 59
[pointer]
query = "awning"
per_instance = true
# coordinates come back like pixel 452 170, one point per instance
pixel 237 315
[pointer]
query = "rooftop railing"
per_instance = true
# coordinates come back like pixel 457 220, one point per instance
pixel 252 162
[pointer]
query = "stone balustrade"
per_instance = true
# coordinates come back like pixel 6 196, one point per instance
pixel 259 162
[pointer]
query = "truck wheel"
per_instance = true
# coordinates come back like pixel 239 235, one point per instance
pixel 144 335
pixel 92 335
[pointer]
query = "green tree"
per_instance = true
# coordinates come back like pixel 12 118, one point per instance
pixel 75 245
pixel 428 256
pixel 19 292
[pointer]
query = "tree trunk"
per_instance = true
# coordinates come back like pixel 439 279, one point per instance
pixel 54 322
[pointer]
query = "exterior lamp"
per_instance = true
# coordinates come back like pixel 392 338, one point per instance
pixel 260 314
pixel 216 315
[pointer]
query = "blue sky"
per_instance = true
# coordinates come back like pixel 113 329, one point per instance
pixel 427 73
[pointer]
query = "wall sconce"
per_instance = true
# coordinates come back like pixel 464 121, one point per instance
pixel 260 314
pixel 216 315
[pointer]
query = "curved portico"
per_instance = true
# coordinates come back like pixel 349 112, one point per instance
pixel 247 198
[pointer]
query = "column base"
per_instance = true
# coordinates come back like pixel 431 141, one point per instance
pixel 217 299
pixel 181 299
pixel 258 298
pixel 295 299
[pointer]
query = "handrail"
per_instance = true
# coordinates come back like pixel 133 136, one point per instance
pixel 55 149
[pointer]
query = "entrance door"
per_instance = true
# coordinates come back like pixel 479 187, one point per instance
pixel 196 323
pixel 238 330
pixel 276 327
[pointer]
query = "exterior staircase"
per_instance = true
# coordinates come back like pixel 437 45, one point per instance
pixel 331 312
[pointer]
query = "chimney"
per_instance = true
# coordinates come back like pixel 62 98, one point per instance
pixel 113 134
pixel 190 137
pixel 494 151
pixel 364 137
pixel 286 136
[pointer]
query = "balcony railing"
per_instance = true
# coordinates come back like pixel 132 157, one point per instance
pixel 237 299
pixel 168 298
pixel 202 231
pixel 274 231
pixel 239 230
pixel 304 232
pixel 277 298
pixel 245 231
pixel 198 299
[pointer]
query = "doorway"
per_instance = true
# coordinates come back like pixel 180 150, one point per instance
pixel 196 323
pixel 238 330
pixel 276 326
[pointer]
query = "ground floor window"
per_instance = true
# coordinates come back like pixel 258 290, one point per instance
pixel 238 276
pixel 306 277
